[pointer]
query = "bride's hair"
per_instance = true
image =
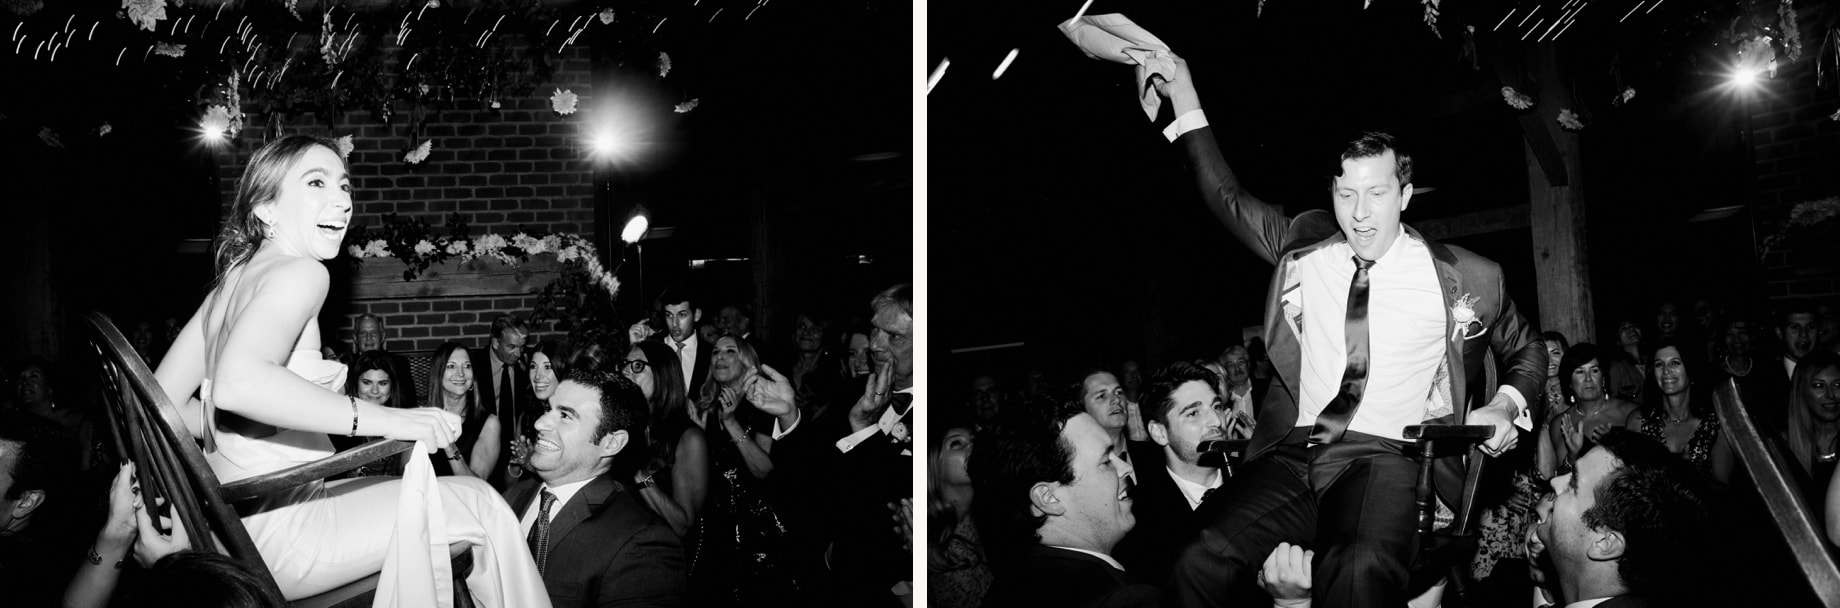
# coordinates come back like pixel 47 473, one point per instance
pixel 260 184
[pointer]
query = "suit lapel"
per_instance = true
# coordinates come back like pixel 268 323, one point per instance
pixel 520 495
pixel 584 504
pixel 1450 280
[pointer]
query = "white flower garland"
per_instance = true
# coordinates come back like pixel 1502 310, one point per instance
pixel 566 247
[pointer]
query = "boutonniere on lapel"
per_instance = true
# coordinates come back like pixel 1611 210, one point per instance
pixel 900 434
pixel 1464 313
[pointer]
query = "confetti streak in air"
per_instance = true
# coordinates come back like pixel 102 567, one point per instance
pixel 750 14
pixel 1632 11
pixel 660 24
pixel 67 20
pixel 1652 7
pixel 1529 15
pixel 220 47
pixel 21 43
pixel 1562 30
pixel 1504 19
pixel 1082 11
pixel 938 73
pixel 1002 67
pixel 124 51
pixel 1536 25
pixel 712 18
pixel 23 24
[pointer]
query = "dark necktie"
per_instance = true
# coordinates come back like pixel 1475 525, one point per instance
pixel 1334 419
pixel 507 401
pixel 539 533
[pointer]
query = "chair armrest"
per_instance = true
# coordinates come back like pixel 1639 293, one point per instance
pixel 269 483
pixel 1440 432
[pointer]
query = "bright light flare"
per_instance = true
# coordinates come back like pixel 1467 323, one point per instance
pixel 939 72
pixel 635 229
pixel 617 128
pixel 1745 77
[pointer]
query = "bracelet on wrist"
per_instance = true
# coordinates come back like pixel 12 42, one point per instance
pixel 95 559
pixel 354 416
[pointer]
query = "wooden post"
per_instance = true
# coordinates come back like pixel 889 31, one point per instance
pixel 1555 188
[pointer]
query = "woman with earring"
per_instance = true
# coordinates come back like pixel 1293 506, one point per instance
pixel 266 400
pixel 1680 415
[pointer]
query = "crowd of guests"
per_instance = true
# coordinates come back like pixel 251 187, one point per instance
pixel 1630 447
pixel 656 464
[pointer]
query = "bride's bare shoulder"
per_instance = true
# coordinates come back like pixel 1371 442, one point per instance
pixel 291 274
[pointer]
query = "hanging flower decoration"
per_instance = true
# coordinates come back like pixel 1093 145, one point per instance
pixel 1802 217
pixel 345 146
pixel 24 8
pixel 1569 120
pixel 1623 97
pixel 50 137
pixel 606 16
pixel 420 153
pixel 687 106
pixel 1834 116
pixel 1516 99
pixel 105 129
pixel 1792 34
pixel 1431 17
pixel 145 13
pixel 563 102
pixel 664 64
pixel 169 50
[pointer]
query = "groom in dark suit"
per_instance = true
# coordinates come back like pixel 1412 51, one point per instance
pixel 1371 328
pixel 594 542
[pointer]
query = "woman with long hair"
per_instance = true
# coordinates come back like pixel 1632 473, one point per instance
pixel 453 388
pixel 547 367
pixel 266 399
pixel 740 555
pixel 1680 415
pixel 1813 430
pixel 957 572
pixel 1591 410
pixel 675 480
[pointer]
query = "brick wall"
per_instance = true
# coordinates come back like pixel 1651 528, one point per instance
pixel 1797 151
pixel 520 166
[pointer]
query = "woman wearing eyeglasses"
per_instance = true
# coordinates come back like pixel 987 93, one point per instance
pixel 676 479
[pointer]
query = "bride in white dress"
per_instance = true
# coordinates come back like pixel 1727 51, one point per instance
pixel 266 401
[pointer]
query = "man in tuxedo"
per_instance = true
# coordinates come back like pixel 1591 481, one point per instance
pixel 681 311
pixel 1054 497
pixel 505 387
pixel 1370 328
pixel 1181 410
pixel 595 543
pixel 1622 528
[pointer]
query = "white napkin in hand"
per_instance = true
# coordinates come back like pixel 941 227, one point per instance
pixel 416 571
pixel 1114 37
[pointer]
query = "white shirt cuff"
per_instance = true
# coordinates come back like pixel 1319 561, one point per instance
pixel 849 443
pixel 1189 121
pixel 797 417
pixel 1524 420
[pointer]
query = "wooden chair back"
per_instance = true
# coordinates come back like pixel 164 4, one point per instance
pixel 171 466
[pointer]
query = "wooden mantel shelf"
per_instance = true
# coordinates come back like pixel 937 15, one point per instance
pixel 382 278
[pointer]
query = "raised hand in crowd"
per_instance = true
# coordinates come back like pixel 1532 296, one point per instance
pixel 638 332
pixel 771 392
pixel 875 398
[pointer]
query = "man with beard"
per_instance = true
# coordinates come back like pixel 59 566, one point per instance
pixel 1623 529
pixel 1181 410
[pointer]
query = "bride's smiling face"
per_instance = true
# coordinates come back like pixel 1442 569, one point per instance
pixel 313 207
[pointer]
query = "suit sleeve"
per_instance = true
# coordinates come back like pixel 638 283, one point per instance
pixel 1520 350
pixel 650 572
pixel 1258 225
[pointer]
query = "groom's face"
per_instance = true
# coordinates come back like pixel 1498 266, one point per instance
pixel 1368 200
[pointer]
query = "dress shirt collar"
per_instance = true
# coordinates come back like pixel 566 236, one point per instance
pixel 563 493
pixel 1108 559
pixel 1192 491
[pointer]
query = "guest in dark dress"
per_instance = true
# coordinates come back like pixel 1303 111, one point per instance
pixel 452 387
pixel 1680 415
pixel 673 476
pixel 740 555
